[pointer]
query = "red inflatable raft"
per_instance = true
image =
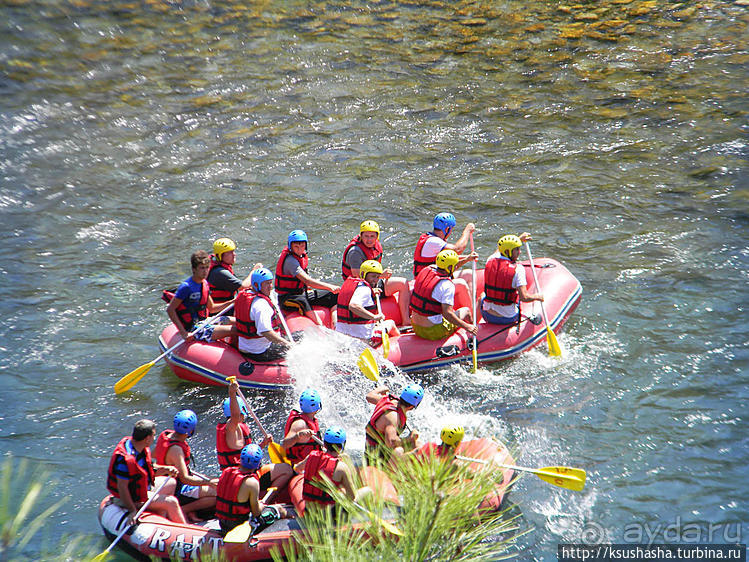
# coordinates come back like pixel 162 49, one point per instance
pixel 210 363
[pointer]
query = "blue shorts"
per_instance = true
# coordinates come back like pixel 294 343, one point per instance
pixel 493 319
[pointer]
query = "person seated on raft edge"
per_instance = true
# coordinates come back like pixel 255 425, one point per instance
pixel 234 434
pixel 432 243
pixel 383 443
pixel 239 492
pixel 505 283
pixel 192 302
pixel 258 322
pixel 357 308
pixel 451 436
pixel 224 285
pixel 328 462
pixel 301 425
pixel 132 474
pixel 366 247
pixel 292 281
pixel 432 314
pixel 194 492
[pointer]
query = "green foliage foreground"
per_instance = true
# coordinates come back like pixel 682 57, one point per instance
pixel 438 517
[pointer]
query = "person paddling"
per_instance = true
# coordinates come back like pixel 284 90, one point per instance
pixel 258 322
pixel 132 475
pixel 505 282
pixel 296 289
pixel 192 302
pixel 357 309
pixel 193 492
pixel 365 247
pixel 388 420
pixel 224 285
pixel 450 437
pixel 301 426
pixel 432 301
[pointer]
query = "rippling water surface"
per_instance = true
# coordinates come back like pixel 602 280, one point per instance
pixel 132 133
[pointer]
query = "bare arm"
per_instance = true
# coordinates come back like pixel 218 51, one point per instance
pixel 462 242
pixel 449 313
pixel 176 458
pixel 171 311
pixel 316 283
pixel 374 396
pixel 298 433
pixel 525 296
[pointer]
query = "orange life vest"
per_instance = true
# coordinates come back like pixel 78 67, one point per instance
pixel 165 441
pixel 230 457
pixel 228 509
pixel 299 451
pixel 420 261
pixel 220 295
pixel 245 326
pixel 373 253
pixel 345 314
pixel 284 284
pixel 139 478
pixel 422 301
pixel 318 462
pixel 373 439
pixel 498 277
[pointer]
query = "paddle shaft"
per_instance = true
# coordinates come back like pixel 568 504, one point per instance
pixel 137 514
pixel 520 468
pixel 535 280
pixel 473 309
pixel 283 321
pixel 198 327
pixel 249 408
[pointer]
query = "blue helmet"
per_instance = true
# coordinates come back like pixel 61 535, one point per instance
pixel 259 276
pixel 297 236
pixel 185 421
pixel 227 408
pixel 310 401
pixel 412 394
pixel 335 436
pixel 444 222
pixel 251 456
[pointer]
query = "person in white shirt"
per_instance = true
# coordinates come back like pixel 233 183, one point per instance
pixel 258 323
pixel 358 312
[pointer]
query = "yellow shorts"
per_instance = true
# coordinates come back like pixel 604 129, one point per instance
pixel 436 332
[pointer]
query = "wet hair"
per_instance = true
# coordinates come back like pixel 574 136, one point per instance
pixel 198 258
pixel 142 429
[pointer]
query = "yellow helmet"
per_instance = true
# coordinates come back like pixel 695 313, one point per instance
pixel 223 245
pixel 447 260
pixel 370 266
pixel 507 244
pixel 370 226
pixel 452 434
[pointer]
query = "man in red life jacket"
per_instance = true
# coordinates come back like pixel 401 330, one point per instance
pixel 366 247
pixel 193 492
pixel 131 473
pixel 382 434
pixel 451 436
pixel 432 313
pixel 257 320
pixel 238 494
pixel 328 463
pixel 301 425
pixel 233 435
pixel 192 302
pixel 357 309
pixel 505 282
pixel 221 279
pixel 296 289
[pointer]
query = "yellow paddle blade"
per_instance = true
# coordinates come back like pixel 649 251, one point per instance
pixel 277 453
pixel 368 365
pixel 101 556
pixel 385 343
pixel 563 476
pixel 131 379
pixel 240 533
pixel 389 527
pixel 551 339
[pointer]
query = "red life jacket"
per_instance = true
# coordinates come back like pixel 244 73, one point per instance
pixel 164 442
pixel 420 261
pixel 227 507
pixel 498 277
pixel 284 284
pixel 245 326
pixel 139 478
pixel 230 457
pixel 374 253
pixel 421 298
pixel 220 295
pixel 433 450
pixel 312 490
pixel 299 451
pixel 373 439
pixel 185 316
pixel 345 314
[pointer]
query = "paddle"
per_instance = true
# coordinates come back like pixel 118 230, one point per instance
pixel 131 379
pixel 368 365
pixel 103 555
pixel 243 531
pixel 385 335
pixel 562 476
pixel 473 310
pixel 551 339
pixel 275 451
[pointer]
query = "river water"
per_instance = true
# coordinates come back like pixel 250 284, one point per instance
pixel 132 133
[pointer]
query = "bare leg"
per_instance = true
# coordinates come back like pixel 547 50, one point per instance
pixel 400 285
pixel 168 506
